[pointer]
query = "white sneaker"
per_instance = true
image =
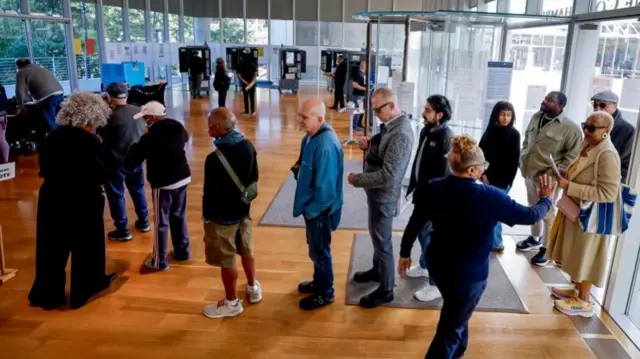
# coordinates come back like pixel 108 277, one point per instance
pixel 255 293
pixel 417 272
pixel 223 308
pixel 428 293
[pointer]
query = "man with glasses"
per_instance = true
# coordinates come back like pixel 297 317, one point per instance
pixel 622 133
pixel 387 157
pixel 550 134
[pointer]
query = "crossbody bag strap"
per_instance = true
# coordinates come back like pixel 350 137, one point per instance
pixel 230 171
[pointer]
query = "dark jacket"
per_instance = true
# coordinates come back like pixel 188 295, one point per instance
pixel 341 74
pixel 622 138
pixel 432 152
pixel 36 81
pixel 220 189
pixel 221 81
pixel 464 213
pixel 163 148
pixel 501 147
pixel 196 65
pixel 120 133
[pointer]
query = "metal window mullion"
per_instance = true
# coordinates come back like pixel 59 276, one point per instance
pixel 268 52
pixel 342 16
pixel 71 60
pixel 244 16
pixel 147 21
pixel 102 43
pixel 318 36
pixel 126 30
pixel 221 25
pixel 166 40
pixel 181 22
pixel 295 29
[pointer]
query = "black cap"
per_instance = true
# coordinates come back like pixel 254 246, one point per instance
pixel 118 90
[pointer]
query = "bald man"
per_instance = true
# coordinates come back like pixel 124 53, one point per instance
pixel 319 172
pixel 387 157
pixel 230 184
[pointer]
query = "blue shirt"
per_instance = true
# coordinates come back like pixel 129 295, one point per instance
pixel 320 174
pixel 464 213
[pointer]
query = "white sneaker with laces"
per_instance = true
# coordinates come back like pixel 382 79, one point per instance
pixel 417 272
pixel 254 293
pixel 428 293
pixel 223 308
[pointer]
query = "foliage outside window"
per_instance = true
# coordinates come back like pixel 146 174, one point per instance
pixel 233 31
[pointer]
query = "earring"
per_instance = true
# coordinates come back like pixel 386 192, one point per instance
pixel 605 135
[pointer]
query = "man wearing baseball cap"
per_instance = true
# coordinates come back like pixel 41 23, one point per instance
pixel 121 132
pixel 169 175
pixel 622 133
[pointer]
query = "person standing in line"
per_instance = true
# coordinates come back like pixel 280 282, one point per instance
pixel 358 92
pixel 319 198
pixel 221 82
pixel 248 75
pixel 622 133
pixel 501 146
pixel 387 158
pixel 34 81
pixel 169 175
pixel 464 214
pixel 227 228
pixel 120 133
pixel 196 73
pixel 430 163
pixel 339 80
pixel 550 133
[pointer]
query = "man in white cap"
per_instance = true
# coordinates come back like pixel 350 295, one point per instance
pixel 622 133
pixel 168 174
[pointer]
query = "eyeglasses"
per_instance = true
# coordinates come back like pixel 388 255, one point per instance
pixel 591 128
pixel 601 105
pixel 484 164
pixel 377 110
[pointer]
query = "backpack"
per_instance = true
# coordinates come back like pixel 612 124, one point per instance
pixel 249 193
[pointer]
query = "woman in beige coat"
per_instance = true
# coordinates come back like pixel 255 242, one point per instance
pixel 594 176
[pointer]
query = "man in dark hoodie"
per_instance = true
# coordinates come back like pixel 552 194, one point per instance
pixel 196 74
pixel 120 133
pixel 169 174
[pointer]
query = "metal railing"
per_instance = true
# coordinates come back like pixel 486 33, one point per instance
pixel 88 68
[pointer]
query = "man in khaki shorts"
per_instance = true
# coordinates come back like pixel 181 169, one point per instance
pixel 230 177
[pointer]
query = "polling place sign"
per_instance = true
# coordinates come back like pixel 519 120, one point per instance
pixel 7 171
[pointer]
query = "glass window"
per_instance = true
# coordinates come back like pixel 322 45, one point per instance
pixel 331 34
pixel 174 28
pixel 136 25
pixel 233 31
pixel 257 32
pixel 215 31
pixel 46 7
pixel 10 6
pixel 13 45
pixel 157 26
pixel 189 33
pixel 83 19
pixel 49 47
pixel 113 23
pixel 281 33
pixel 306 33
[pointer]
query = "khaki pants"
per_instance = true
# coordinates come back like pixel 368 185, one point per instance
pixel 542 228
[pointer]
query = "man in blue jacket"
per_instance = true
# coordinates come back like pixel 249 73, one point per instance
pixel 319 172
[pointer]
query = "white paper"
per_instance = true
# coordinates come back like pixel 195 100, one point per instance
pixel 7 171
pixel 535 95
pixel 405 91
pixel 554 166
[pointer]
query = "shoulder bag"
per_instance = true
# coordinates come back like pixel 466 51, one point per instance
pixel 248 193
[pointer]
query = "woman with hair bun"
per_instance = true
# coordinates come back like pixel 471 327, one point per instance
pixel 463 212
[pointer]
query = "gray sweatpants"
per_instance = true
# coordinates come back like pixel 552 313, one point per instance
pixel 169 215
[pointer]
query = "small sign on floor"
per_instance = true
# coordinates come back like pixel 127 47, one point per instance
pixel 7 171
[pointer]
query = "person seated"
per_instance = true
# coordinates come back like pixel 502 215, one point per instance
pixel 70 164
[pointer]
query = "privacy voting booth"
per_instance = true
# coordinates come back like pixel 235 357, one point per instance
pixel 459 54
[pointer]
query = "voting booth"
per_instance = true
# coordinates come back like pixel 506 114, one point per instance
pixel 184 58
pixel 293 63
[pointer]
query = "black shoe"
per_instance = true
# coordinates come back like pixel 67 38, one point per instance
pixel 83 300
pixel 315 301
pixel 366 276
pixel 143 226
pixel 539 258
pixel 120 236
pixel 376 298
pixel 529 244
pixel 333 108
pixel 179 258
pixel 307 287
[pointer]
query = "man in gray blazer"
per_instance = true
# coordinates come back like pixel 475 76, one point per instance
pixel 387 157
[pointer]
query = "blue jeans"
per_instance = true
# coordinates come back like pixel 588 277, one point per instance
pixel 319 240
pixel 497 230
pixel 114 188
pixel 357 119
pixel 380 230
pixel 50 108
pixel 459 302
pixel 424 237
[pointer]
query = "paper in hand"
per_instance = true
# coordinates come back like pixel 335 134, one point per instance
pixel 555 168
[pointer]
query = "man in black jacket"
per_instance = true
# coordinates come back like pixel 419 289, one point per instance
pixel 430 163
pixel 120 133
pixel 168 174
pixel 622 133
pixel 221 82
pixel 196 73
pixel 339 80
pixel 227 228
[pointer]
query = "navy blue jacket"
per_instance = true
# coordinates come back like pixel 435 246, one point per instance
pixel 464 212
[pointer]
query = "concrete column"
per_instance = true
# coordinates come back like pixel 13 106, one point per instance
pixel 202 30
pixel 580 70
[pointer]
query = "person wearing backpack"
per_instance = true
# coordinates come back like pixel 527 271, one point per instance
pixel 230 185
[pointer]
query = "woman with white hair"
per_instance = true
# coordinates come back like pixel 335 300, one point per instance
pixel 71 207
pixel 594 176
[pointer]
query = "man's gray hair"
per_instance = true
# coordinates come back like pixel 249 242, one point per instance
pixel 82 109
pixel 387 95
pixel 604 117
pixel 225 118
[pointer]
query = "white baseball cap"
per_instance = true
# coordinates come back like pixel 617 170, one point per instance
pixel 153 108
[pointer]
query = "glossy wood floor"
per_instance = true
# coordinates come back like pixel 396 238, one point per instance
pixel 159 315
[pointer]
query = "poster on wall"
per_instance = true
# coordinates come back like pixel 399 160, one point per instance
pixel 499 78
pixel 405 91
pixel 161 54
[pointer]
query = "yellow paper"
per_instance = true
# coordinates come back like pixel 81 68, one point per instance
pixel 260 51
pixel 77 46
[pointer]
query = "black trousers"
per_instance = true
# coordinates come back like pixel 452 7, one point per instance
pixel 338 97
pixel 249 97
pixel 195 83
pixel 222 98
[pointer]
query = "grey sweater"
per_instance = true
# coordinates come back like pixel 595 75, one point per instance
pixel 386 162
pixel 36 81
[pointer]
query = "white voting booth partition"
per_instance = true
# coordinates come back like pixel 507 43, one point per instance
pixel 7 172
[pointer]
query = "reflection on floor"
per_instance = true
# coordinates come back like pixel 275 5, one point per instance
pixel 159 315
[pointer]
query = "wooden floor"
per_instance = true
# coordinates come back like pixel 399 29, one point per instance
pixel 159 315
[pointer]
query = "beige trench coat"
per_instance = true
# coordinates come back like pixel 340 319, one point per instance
pixel 584 255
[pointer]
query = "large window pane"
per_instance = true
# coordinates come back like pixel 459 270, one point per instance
pixel 189 34
pixel 10 6
pixel 215 31
pixel 306 33
pixel 46 7
pixel 113 23
pixel 257 32
pixel 85 30
pixel 331 34
pixel 174 28
pixel 136 25
pixel 13 45
pixel 49 48
pixel 233 31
